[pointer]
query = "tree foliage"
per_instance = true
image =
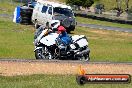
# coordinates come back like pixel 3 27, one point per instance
pixel 84 3
pixel 87 3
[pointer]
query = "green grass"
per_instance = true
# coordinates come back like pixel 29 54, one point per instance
pixel 104 23
pixel 51 81
pixel 16 41
pixel 8 7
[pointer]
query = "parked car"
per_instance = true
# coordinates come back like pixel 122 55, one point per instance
pixel 45 12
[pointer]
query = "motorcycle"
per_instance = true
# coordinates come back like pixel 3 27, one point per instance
pixel 47 46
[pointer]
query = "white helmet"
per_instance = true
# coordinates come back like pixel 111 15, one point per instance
pixel 55 24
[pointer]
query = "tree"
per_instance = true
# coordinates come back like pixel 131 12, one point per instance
pixel 127 5
pixel 119 6
pixel 119 9
pixel 74 2
pixel 84 3
pixel 87 3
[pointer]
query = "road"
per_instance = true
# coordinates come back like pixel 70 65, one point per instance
pixel 94 26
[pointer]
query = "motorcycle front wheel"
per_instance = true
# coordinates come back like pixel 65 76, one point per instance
pixel 43 53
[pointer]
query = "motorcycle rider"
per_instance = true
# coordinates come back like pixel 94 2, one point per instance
pixel 63 42
pixel 63 37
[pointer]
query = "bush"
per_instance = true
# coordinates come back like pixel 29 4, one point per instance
pixel 84 3
pixel 130 10
pixel 99 6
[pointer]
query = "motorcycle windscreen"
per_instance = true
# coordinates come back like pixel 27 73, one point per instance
pixel 49 39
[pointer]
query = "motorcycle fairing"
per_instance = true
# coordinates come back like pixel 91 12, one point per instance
pixel 80 40
pixel 49 39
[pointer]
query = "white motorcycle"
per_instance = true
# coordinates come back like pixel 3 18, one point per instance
pixel 47 47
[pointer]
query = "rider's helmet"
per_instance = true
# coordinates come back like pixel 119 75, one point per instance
pixel 61 29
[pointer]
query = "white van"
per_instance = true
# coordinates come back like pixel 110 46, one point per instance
pixel 45 12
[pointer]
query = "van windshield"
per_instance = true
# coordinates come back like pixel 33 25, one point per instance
pixel 64 11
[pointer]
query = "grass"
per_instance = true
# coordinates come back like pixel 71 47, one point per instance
pixel 51 81
pixel 8 7
pixel 16 41
pixel 103 23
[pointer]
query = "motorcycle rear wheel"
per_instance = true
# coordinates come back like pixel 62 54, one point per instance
pixel 85 58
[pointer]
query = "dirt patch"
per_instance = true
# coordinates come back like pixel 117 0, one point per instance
pixel 107 32
pixel 28 68
pixel 125 34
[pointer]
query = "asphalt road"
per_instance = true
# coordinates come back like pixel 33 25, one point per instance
pixel 94 26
